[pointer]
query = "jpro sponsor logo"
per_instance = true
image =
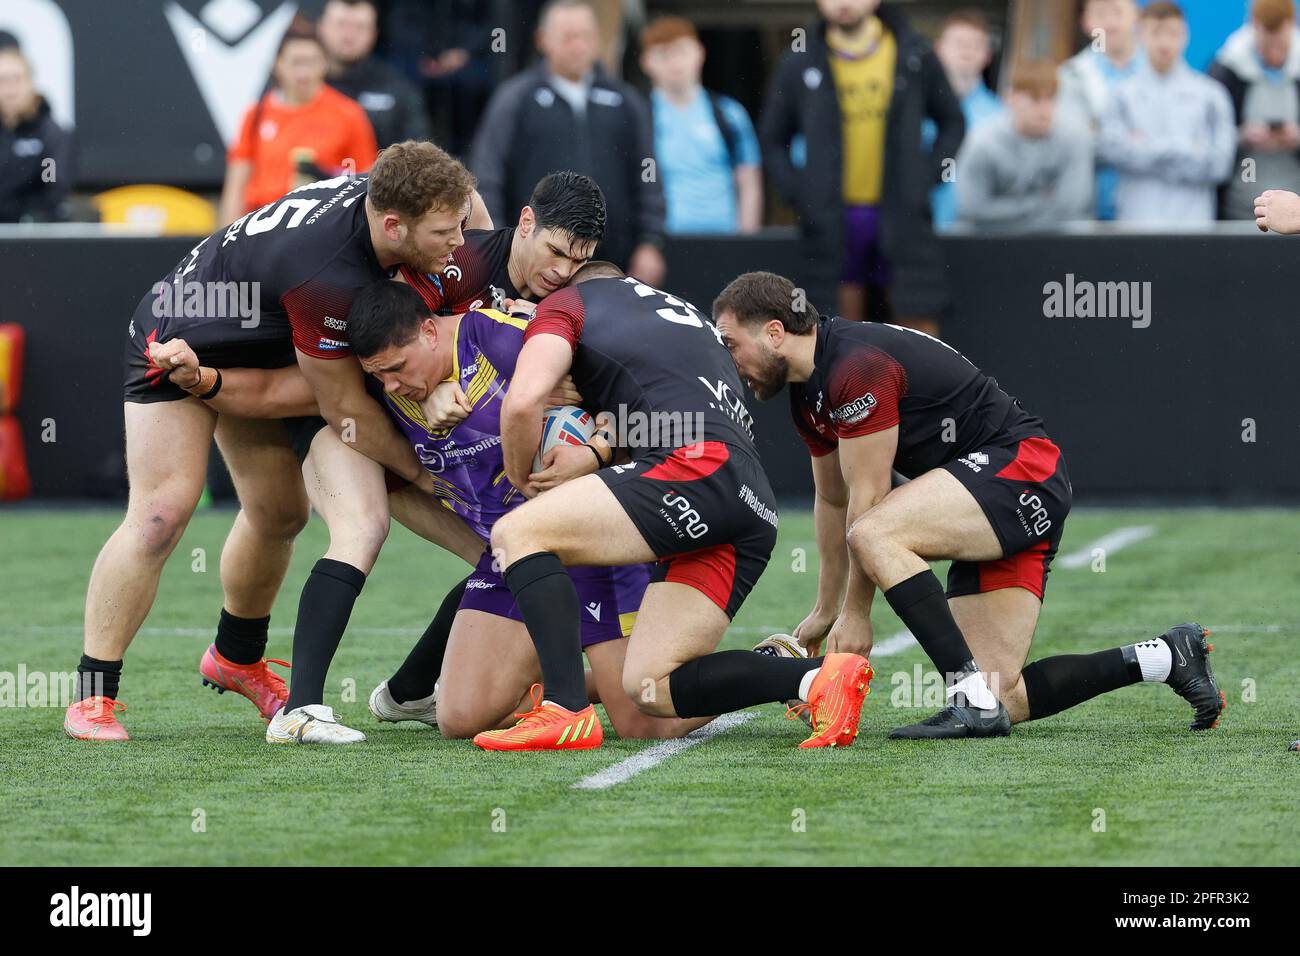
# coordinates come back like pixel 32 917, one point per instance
pixel 1036 522
pixel 854 411
pixel 683 517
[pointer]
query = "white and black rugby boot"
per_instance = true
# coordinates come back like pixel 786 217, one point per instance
pixel 1191 676
pixel 955 722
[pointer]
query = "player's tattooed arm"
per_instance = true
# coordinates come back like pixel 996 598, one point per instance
pixel 358 419
pixel 543 361
pixel 243 392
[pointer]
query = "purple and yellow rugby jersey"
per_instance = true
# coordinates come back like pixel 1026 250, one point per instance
pixel 468 468
pixel 466 461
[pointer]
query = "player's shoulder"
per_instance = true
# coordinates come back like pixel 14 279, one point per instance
pixel 496 320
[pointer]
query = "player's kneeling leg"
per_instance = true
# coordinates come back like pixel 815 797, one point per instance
pixel 489 666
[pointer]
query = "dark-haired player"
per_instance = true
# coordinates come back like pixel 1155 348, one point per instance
pixel 556 233
pixel 270 290
pixel 989 491
pixel 486 661
pixel 692 494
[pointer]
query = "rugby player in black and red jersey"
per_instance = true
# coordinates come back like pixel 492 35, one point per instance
pixel 297 263
pixel 557 232
pixel 692 495
pixel 988 490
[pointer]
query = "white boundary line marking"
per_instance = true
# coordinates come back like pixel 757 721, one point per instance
pixel 652 756
pixel 1113 541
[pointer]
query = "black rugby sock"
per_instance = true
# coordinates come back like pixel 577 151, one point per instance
pixel 242 640
pixel 548 602
pixel 414 680
pixel 1058 683
pixel 724 681
pixel 96 678
pixel 920 603
pixel 323 613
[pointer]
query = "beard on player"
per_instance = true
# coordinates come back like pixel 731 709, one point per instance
pixel 430 261
pixel 771 375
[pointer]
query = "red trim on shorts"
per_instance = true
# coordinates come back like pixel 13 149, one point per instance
pixel 691 462
pixel 1022 570
pixel 1035 460
pixel 711 571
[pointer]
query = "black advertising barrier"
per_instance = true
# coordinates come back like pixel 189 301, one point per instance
pixel 1161 412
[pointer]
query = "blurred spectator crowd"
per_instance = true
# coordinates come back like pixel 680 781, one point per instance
pixel 870 132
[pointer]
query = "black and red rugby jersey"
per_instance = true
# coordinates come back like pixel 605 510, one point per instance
pixel 299 260
pixel 868 377
pixel 645 353
pixel 477 277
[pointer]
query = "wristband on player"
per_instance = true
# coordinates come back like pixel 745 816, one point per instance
pixel 602 450
pixel 208 385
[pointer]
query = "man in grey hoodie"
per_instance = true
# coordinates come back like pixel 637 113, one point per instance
pixel 1170 130
pixel 1260 66
pixel 1029 167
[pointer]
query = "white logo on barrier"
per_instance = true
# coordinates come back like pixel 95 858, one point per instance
pixel 229 75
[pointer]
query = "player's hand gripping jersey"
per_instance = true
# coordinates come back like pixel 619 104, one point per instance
pixel 280 277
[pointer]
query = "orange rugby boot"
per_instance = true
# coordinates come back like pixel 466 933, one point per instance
pixel 835 700
pixel 547 727
pixel 95 718
pixel 257 682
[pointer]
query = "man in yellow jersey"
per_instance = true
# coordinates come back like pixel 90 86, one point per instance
pixel 842 139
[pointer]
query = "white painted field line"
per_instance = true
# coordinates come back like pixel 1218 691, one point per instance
pixel 652 756
pixel 1110 543
pixel 893 645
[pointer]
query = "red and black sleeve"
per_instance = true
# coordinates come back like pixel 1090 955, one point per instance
pixel 560 313
pixel 318 317
pixel 820 442
pixel 864 386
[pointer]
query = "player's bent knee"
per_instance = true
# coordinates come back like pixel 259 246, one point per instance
pixel 870 539
pixel 643 690
pixel 278 523
pixel 458 721
pixel 161 523
pixel 510 537
pixel 366 532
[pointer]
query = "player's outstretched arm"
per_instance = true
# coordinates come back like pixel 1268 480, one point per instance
pixel 830 511
pixel 242 392
pixel 543 361
pixel 867 464
pixel 358 419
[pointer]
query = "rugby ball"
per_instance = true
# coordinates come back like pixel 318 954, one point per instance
pixel 564 425
pixel 780 645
